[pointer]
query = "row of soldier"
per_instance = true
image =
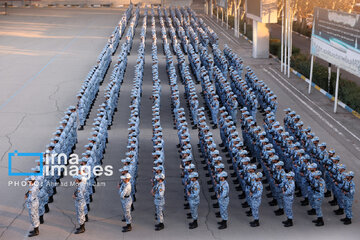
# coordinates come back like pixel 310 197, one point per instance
pixel 339 211
pixel 187 166
pixel 158 180
pixel 127 184
pixel 42 187
pixel 95 149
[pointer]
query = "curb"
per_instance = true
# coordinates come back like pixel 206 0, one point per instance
pixel 331 97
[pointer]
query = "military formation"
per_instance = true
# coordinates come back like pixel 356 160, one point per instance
pixel 127 184
pixel 289 159
pixel 158 180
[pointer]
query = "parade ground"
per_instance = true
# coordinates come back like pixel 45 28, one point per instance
pixel 46 54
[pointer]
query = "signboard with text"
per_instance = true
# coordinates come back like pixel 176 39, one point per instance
pixel 335 39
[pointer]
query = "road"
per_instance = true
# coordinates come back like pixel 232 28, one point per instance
pixel 303 43
pixel 43 83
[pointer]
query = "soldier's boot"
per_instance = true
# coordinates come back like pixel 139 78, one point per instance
pixel 320 222
pixel 81 229
pixel 51 199
pixel 189 216
pixel 288 223
pixel 249 213
pixel 127 228
pixel 233 174
pixel 209 182
pixel 327 194
pixel 333 202
pixel 41 219
pixel 311 212
pixel 213 197
pixel 347 221
pixel 88 207
pixel 159 227
pixel 54 191
pixel 269 195
pixel 273 202
pixel 93 187
pixel 47 209
pixel 298 194
pixel 221 145
pixel 245 205
pixel 132 207
pixel 86 218
pixel 193 225
pixel 223 225
pixel 217 214
pixel 81 128
pixel 236 181
pixel 339 211
pixel 255 223
pixel 211 189
pixel 268 188
pixel 34 232
pixel 216 205
pixel 238 188
pixel 134 198
pixel 221 222
pixel 91 198
pixel 264 181
pixel 279 212
pixel 305 202
pixel 242 196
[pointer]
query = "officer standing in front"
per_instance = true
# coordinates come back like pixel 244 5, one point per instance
pixel 193 195
pixel 288 189
pixel 126 200
pixel 32 203
pixel 223 199
pixel 159 200
pixel 80 203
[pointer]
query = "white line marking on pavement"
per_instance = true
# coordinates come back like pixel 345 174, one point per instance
pixel 313 110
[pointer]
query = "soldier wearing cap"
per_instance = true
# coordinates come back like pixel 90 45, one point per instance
pixel 255 193
pixel 158 191
pixel 288 189
pixel 43 195
pixel 126 200
pixel 223 198
pixel 318 187
pixel 32 203
pixel 348 190
pixel 193 195
pixel 338 180
pixel 80 203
